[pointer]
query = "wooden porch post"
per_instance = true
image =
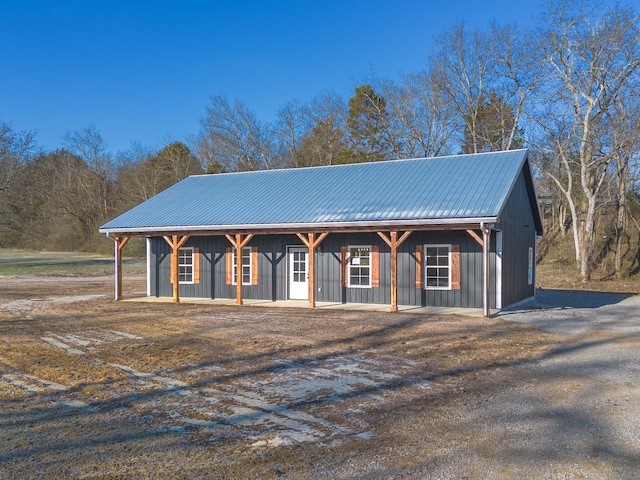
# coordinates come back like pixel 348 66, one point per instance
pixel 393 244
pixel 485 243
pixel 312 242
pixel 486 240
pixel 238 267
pixel 239 242
pixel 175 242
pixel 312 270
pixel 119 244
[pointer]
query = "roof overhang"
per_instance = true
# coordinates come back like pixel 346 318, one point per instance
pixel 358 226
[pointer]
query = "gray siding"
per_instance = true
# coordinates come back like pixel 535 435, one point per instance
pixel 273 270
pixel 470 293
pixel 518 229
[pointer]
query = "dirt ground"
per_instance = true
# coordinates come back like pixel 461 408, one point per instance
pixel 92 388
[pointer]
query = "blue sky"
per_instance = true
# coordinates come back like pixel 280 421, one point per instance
pixel 144 70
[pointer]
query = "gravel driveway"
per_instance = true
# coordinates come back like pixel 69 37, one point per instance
pixel 579 407
pixel 577 313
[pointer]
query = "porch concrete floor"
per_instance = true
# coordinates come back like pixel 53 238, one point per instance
pixel 366 307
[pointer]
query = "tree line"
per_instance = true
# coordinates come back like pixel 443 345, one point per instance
pixel 567 89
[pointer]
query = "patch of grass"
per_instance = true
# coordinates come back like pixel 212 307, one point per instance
pixel 557 269
pixel 563 276
pixel 28 263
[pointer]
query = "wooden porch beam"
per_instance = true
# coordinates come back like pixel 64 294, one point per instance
pixel 384 237
pixel 476 237
pixel 404 236
pixel 243 243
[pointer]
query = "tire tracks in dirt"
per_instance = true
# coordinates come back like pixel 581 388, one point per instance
pixel 263 409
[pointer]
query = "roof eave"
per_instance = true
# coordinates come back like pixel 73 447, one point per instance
pixel 420 224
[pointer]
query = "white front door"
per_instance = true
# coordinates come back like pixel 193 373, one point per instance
pixel 298 273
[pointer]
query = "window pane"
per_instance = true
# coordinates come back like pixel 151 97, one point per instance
pixel 246 266
pixel 185 265
pixel 359 270
pixel 437 266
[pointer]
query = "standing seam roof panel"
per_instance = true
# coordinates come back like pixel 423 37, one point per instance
pixel 463 186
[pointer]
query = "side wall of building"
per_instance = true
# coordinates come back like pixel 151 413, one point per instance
pixel 519 234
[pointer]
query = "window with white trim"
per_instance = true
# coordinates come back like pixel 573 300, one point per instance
pixel 246 266
pixel 359 265
pixel 530 267
pixel 185 265
pixel 437 260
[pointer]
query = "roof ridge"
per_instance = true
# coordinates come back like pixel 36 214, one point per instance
pixel 362 163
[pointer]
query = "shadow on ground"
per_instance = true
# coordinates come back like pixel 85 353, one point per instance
pixel 567 299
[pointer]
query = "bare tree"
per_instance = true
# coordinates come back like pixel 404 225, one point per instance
pixel 96 180
pixel 137 180
pixel 487 77
pixel 291 127
pixel 422 121
pixel 15 149
pixel 324 123
pixel 592 52
pixel 232 138
pixel 516 71
pixel 461 68
pixel 624 123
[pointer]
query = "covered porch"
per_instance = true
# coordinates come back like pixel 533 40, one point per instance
pixel 393 237
pixel 303 304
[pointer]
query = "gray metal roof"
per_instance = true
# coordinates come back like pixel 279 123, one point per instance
pixel 454 189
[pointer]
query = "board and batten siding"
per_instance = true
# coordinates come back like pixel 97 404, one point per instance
pixel 518 235
pixel 469 294
pixel 273 270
